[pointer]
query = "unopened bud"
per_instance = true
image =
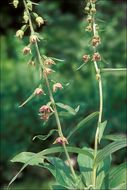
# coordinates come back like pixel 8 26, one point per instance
pixel 29 5
pixel 25 17
pixel 98 76
pixel 87 9
pixel 39 21
pixel 93 10
pixel 15 3
pixel 20 34
pixel 89 28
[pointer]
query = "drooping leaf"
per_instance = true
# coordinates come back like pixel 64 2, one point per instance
pixel 118 175
pixel 43 153
pixel 114 137
pixel 109 149
pixel 101 129
pixel 68 108
pixel 82 123
pixel 44 137
pixel 56 59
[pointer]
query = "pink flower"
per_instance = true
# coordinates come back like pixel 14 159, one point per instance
pixel 57 86
pixel 33 39
pixel 47 71
pixel 45 109
pixel 26 50
pixel 49 61
pixel 44 117
pixel 38 91
pixel 60 140
pixel 86 58
pixel 96 57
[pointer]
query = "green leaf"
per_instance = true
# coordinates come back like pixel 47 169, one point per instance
pixel 102 170
pixel 122 186
pixel 114 71
pixel 56 59
pixel 42 154
pixel 101 129
pixel 85 165
pixel 24 157
pixel 62 172
pixel 44 137
pixel 82 123
pixel 68 108
pixel 118 175
pixel 26 101
pixel 109 149
pixel 115 137
pixel 86 168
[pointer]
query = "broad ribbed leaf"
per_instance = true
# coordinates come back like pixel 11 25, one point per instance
pixel 62 172
pixel 109 149
pixel 83 123
pixel 86 168
pixel 44 137
pixel 43 153
pixel 118 175
pixel 101 129
pixel 58 187
pixel 115 137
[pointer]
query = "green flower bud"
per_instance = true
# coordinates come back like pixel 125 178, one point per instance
pixel 19 34
pixel 39 21
pixel 15 3
pixel 25 17
pixel 29 5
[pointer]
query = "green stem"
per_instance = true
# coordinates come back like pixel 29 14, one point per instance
pixel 100 108
pixel 50 93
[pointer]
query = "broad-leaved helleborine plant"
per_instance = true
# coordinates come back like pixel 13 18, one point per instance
pixel 94 165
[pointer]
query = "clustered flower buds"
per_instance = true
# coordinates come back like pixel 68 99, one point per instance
pixel 39 21
pixel 49 61
pixel 45 112
pixel 38 91
pixel 33 39
pixel 26 50
pixel 89 19
pixel 96 41
pixel 86 58
pixel 61 140
pixel 96 57
pixel 57 86
pixel 20 34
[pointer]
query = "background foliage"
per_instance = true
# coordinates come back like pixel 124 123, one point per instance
pixel 64 37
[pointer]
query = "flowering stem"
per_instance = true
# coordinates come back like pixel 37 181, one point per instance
pixel 50 92
pixel 100 107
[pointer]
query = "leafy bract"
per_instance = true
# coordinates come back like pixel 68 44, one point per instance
pixel 109 149
pixel 101 129
pixel 82 123
pixel 68 108
pixel 44 137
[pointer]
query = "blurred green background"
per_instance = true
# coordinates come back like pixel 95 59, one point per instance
pixel 64 38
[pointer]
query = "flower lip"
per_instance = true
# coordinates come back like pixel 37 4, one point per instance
pixel 61 140
pixel 38 91
pixel 45 109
